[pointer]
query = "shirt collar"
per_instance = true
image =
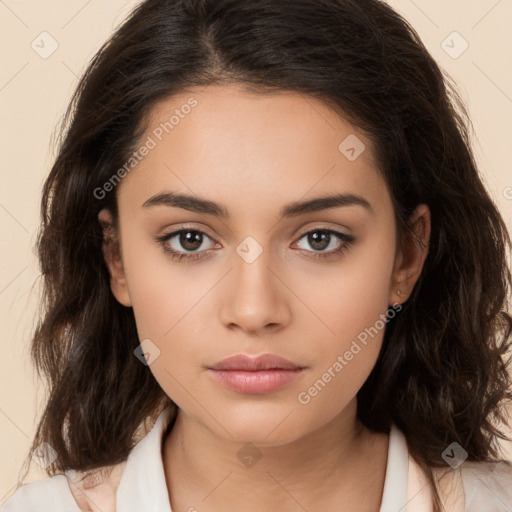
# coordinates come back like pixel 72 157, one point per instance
pixel 143 485
pixel 394 495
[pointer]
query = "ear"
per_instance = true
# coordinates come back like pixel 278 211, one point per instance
pixel 411 255
pixel 111 249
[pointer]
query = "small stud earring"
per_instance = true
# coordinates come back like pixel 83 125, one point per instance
pixel 398 292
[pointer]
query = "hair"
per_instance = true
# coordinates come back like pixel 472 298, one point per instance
pixel 441 375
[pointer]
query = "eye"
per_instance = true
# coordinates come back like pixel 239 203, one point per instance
pixel 325 242
pixel 185 243
pixel 192 244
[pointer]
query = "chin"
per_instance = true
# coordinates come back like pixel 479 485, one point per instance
pixel 262 426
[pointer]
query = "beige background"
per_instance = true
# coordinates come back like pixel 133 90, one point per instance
pixel 34 92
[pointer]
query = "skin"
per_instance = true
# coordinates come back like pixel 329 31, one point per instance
pixel 254 154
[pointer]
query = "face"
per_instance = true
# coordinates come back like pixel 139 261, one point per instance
pixel 260 267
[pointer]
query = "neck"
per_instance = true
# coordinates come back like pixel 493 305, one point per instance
pixel 208 472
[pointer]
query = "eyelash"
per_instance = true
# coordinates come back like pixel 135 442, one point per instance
pixel 162 240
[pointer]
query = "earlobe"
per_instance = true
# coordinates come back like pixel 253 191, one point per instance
pixel 411 255
pixel 112 256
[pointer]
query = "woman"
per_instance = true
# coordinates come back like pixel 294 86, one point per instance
pixel 266 235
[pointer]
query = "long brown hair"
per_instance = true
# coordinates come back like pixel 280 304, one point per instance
pixel 442 372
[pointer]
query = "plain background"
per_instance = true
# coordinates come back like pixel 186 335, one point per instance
pixel 34 92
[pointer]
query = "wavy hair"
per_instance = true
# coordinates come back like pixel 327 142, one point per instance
pixel 442 373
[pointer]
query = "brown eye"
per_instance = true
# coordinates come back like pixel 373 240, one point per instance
pixel 190 240
pixel 321 239
pixel 185 243
pixel 324 243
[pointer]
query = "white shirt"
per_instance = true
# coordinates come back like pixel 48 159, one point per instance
pixel 141 484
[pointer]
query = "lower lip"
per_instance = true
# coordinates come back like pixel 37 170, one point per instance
pixel 255 382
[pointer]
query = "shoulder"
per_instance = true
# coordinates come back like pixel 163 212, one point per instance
pixel 71 492
pixel 477 486
pixel 487 485
pixel 76 491
pixel 47 495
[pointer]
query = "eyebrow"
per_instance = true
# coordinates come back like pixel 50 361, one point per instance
pixel 294 209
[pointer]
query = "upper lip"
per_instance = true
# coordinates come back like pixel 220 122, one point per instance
pixel 263 362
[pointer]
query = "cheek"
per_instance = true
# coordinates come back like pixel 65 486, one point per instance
pixel 352 304
pixel 168 303
pixel 348 297
pixel 168 315
pixel 163 292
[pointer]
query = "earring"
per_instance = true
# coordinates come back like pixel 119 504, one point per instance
pixel 398 292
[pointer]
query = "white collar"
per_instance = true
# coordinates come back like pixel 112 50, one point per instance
pixel 394 495
pixel 143 485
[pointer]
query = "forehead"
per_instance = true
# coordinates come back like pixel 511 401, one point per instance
pixel 251 149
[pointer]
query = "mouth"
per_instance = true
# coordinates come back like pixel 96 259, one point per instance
pixel 244 362
pixel 263 374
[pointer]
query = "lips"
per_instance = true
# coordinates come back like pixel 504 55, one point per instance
pixel 243 362
pixel 255 375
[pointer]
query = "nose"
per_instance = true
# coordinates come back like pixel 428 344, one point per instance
pixel 255 298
